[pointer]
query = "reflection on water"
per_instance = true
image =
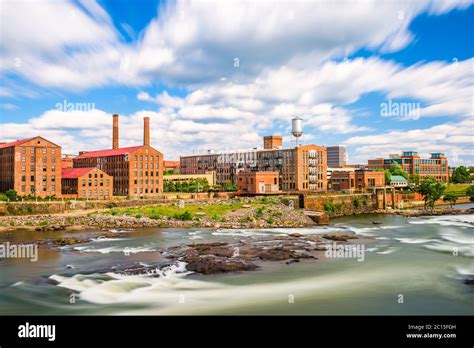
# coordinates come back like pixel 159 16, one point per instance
pixel 425 259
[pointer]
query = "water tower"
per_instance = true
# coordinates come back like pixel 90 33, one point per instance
pixel 297 128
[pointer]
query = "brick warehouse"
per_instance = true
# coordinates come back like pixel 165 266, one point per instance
pixel 136 170
pixel 435 166
pixel 302 168
pixel 86 183
pixel 31 167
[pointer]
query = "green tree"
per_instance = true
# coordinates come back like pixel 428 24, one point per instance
pixel 431 190
pixel 396 169
pixel 451 198
pixel 460 175
pixel 11 195
pixel 388 176
pixel 415 179
pixel 470 193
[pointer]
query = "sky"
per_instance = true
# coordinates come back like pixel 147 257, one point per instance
pixel 377 76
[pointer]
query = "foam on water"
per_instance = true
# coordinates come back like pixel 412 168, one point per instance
pixel 114 249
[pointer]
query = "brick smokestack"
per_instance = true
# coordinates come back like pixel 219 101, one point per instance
pixel 115 133
pixel 146 131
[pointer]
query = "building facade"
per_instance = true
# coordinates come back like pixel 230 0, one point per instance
pixel 302 168
pixel 435 166
pixel 90 183
pixel 258 182
pixel 136 170
pixel 356 180
pixel 31 167
pixel 171 166
pixel 209 176
pixel 336 156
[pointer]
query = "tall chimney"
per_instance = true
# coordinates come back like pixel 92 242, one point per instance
pixel 115 134
pixel 146 131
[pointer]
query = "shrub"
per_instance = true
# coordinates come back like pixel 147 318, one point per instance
pixel 329 207
pixel 356 203
pixel 270 220
pixel 259 212
pixel 44 223
pixel 11 195
pixel 113 212
pixel 155 216
pixel 138 216
pixel 186 216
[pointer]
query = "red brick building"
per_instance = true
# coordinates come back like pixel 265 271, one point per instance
pixel 67 161
pixel 136 170
pixel 302 168
pixel 258 182
pixel 356 180
pixel 172 166
pixel 31 167
pixel 435 166
pixel 90 183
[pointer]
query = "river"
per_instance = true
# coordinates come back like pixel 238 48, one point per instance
pixel 410 266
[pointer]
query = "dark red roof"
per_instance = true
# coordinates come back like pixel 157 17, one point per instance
pixel 110 152
pixel 73 173
pixel 14 143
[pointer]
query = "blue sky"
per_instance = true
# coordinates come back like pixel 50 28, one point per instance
pixel 221 75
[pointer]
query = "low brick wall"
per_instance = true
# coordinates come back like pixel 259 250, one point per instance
pixel 56 207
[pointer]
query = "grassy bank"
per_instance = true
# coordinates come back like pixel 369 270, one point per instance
pixel 214 211
pixel 458 189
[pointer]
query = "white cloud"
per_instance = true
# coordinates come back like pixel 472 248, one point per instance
pixel 63 44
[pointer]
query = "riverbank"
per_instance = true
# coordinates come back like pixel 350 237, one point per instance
pixel 243 213
pixel 229 214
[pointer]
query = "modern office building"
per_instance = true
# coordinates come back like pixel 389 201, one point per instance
pixel 31 167
pixel 435 166
pixel 136 170
pixel 336 156
pixel 302 168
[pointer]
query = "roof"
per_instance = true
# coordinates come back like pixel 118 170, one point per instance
pixel 15 143
pixel 19 142
pixel 110 152
pixel 397 178
pixel 73 173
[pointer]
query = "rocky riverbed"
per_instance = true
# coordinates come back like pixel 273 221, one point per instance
pixel 243 255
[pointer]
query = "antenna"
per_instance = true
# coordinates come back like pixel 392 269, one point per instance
pixel 297 127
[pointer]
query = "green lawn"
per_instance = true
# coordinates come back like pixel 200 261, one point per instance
pixel 3 197
pixel 213 211
pixel 457 189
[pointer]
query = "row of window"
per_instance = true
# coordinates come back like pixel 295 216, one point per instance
pixel 156 182
pixel 135 158
pixel 135 165
pixel 96 183
pixel 44 188
pixel 32 168
pixel 33 158
pixel 32 178
pixel 89 193
pixel 146 173
pixel 45 150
